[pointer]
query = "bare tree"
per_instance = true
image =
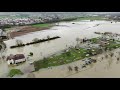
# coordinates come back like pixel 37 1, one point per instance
pixel 111 54
pixel 48 37
pixel 76 68
pixel 35 39
pixel 119 53
pixel 19 42
pixel 118 59
pixel 69 68
pixel 77 39
pixel 106 56
pixel 102 58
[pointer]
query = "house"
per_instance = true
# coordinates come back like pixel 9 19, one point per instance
pixel 15 59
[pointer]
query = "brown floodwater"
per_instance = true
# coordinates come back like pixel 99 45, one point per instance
pixel 68 33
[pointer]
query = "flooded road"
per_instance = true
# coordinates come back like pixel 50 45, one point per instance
pixel 68 33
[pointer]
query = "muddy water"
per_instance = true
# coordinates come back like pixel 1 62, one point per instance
pixel 108 67
pixel 68 33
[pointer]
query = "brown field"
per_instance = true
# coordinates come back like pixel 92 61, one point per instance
pixel 24 30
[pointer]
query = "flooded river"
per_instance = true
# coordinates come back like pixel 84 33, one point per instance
pixel 68 33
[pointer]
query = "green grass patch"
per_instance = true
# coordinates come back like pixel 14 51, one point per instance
pixel 14 72
pixel 91 18
pixel 42 25
pixel 95 40
pixel 113 46
pixel 64 58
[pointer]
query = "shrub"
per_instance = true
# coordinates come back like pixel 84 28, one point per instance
pixel 14 72
pixel 31 54
pixel 35 40
pixel 19 42
pixel 48 37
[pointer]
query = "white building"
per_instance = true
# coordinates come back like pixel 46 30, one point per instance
pixel 15 59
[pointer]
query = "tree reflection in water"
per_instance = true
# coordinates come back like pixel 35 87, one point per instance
pixel 20 49
pixel 110 61
pixel 36 45
pixel 118 60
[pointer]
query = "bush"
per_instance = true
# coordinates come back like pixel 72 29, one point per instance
pixel 19 42
pixel 68 53
pixel 35 40
pixel 14 72
pixel 48 37
pixel 94 40
pixel 31 54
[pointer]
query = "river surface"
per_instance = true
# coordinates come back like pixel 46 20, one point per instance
pixel 68 33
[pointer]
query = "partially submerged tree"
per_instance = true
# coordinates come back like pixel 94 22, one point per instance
pixel 31 54
pixel 48 37
pixel 69 68
pixel 106 56
pixel 118 59
pixel 19 42
pixel 14 72
pixel 77 39
pixel 111 54
pixel 76 68
pixel 35 39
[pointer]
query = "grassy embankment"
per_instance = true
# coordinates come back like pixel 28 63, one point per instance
pixel 14 72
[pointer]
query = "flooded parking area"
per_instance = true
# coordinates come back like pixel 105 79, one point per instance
pixel 68 33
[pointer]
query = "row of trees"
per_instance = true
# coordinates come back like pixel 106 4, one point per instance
pixel 20 42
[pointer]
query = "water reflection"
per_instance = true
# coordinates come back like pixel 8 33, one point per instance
pixel 110 61
pixel 91 65
pixel 20 49
pixel 48 42
pixel 36 45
